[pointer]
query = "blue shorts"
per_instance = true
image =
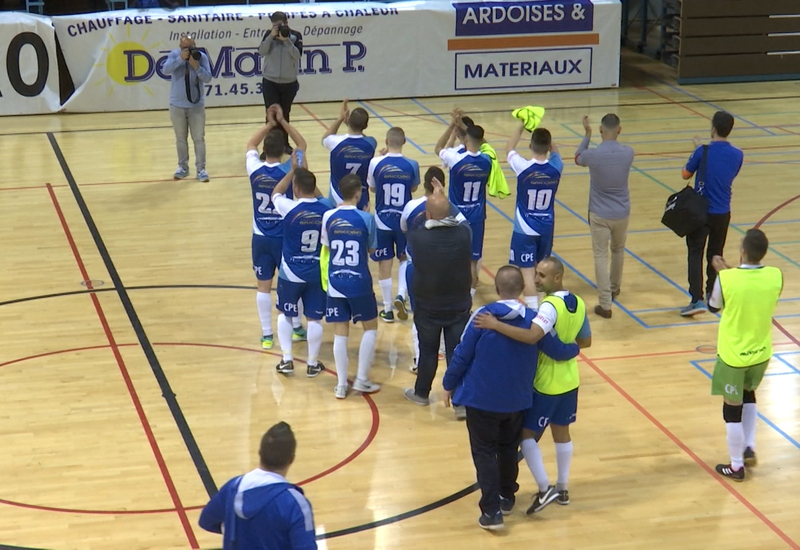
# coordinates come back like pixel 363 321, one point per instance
pixel 391 243
pixel 477 239
pixel 551 409
pixel 361 308
pixel 266 256
pixel 529 250
pixel 290 294
pixel 409 281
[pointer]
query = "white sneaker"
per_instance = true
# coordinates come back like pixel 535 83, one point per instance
pixel 365 386
pixel 340 392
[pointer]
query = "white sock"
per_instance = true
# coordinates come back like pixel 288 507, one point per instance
pixel 415 342
pixel 340 358
pixel 314 342
pixel 749 419
pixel 297 322
pixel 735 444
pixel 402 288
pixel 532 302
pixel 285 336
pixel 533 457
pixel 386 290
pixel 366 353
pixel 264 304
pixel 563 458
pixel 472 292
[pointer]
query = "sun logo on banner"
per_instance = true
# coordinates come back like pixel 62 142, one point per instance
pixel 121 67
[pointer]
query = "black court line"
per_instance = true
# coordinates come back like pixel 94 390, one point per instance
pixel 141 335
pixel 113 289
pixel 427 114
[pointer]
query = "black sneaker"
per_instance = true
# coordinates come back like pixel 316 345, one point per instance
pixel 750 457
pixel 542 499
pixel 313 372
pixel 491 523
pixel 400 306
pixel 563 498
pixel 285 367
pixel 727 471
pixel 506 505
pixel 387 316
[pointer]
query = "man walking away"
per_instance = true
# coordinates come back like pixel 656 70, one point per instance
pixel 749 295
pixel 723 162
pixel 609 205
pixel 261 510
pixel 492 375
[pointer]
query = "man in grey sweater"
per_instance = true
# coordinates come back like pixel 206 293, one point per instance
pixel 609 205
pixel 281 49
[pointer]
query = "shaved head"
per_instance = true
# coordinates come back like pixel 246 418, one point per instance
pixel 509 282
pixel 437 206
pixel 395 137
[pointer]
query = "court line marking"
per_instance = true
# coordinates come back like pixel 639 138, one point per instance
pixel 151 439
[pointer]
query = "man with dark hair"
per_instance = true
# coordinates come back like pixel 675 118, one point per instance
pixel 747 296
pixel 555 388
pixel 349 237
pixel 469 175
pixel 267 241
pixel 281 49
pixel 534 220
pixel 609 205
pixel 442 251
pixel 393 178
pixel 413 216
pixel 299 276
pixel 260 509
pixel 715 165
pixel 351 153
pixel 493 376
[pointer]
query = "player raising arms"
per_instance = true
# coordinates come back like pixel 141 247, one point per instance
pixel 351 152
pixel 537 183
pixel 349 236
pixel 299 277
pixel 469 174
pixel 267 238
pixel 392 177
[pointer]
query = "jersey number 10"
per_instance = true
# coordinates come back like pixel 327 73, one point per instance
pixel 539 199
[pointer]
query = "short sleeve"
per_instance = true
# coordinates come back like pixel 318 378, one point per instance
pixel 694 161
pixel 546 317
pixel 283 204
pixel 716 296
pixel 449 157
pixel 517 162
pixel 331 142
pixel 372 141
pixel 556 162
pixel 253 161
pixel 586 330
pixel 323 234
pixel 373 164
pixel 415 165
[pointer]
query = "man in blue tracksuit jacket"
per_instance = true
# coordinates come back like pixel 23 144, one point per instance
pixel 492 376
pixel 261 510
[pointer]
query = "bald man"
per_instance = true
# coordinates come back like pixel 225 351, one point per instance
pixel 442 252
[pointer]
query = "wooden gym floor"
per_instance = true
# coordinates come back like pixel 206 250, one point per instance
pixel 133 383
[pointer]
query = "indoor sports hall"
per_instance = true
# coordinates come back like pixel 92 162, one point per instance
pixel 134 384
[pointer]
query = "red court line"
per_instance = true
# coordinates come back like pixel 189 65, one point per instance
pixel 764 519
pixel 679 104
pixel 756 512
pixel 312 115
pixel 184 519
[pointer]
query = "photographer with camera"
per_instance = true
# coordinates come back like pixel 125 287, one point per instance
pixel 189 69
pixel 281 49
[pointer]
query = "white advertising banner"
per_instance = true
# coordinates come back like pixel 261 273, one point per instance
pixel 358 50
pixel 28 65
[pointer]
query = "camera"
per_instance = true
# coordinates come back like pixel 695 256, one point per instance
pixel 283 30
pixel 194 52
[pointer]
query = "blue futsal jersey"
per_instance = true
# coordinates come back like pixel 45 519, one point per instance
pixel 469 175
pixel 302 229
pixel 393 177
pixel 350 155
pixel 537 183
pixel 349 233
pixel 263 179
